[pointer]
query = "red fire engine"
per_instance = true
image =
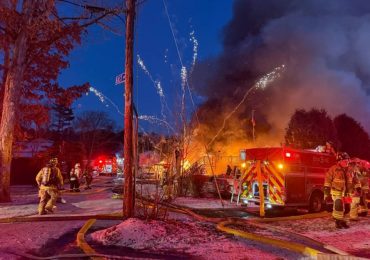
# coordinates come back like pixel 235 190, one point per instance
pixel 105 165
pixel 284 177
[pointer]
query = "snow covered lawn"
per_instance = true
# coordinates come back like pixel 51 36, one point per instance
pixel 191 238
pixel 355 240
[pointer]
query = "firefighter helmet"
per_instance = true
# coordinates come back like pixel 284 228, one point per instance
pixel 53 162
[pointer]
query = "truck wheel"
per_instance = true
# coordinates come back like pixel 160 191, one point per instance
pixel 316 202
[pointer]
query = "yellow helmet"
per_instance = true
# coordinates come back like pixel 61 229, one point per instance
pixel 53 162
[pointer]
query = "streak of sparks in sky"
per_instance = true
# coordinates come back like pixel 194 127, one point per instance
pixel 156 83
pixel 183 84
pixel 155 120
pixel 103 99
pixel 195 49
pixel 262 83
pixel 184 76
pixel 166 56
pixel 269 77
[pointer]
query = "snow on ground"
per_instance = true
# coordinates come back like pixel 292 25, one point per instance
pixel 26 237
pixel 179 233
pixel 187 237
pixel 24 202
pixel 353 240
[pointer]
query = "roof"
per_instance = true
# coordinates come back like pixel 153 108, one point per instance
pixel 29 149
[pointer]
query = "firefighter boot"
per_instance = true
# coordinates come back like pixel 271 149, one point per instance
pixel 338 224
pixel 344 224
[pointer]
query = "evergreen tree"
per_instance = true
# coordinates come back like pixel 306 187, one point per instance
pixel 307 130
pixel 352 137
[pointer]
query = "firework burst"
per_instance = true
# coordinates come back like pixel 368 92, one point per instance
pixel 104 98
pixel 262 83
pixel 155 120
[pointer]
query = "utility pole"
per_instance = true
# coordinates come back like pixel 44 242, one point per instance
pixel 128 201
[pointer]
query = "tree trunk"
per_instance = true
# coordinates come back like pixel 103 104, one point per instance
pixel 12 87
pixel 10 101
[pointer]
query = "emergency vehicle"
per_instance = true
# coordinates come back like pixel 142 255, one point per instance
pixel 284 177
pixel 105 165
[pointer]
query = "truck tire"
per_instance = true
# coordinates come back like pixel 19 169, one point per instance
pixel 316 202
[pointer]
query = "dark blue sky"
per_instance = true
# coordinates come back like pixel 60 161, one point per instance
pixel 101 56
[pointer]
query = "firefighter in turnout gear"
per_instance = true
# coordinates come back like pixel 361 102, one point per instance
pixel 354 173
pixel 48 179
pixel 75 176
pixel 364 181
pixel 339 184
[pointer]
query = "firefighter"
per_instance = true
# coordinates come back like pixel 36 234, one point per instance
pixel 48 179
pixel 364 181
pixel 339 184
pixel 88 177
pixel 354 173
pixel 74 178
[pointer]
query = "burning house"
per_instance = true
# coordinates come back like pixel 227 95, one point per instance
pixel 323 47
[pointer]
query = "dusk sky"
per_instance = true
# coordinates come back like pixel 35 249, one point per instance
pixel 101 56
pixel 324 50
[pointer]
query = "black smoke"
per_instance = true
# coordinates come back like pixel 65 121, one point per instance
pixel 325 46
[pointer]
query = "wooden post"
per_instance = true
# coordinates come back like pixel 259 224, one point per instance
pixel 128 207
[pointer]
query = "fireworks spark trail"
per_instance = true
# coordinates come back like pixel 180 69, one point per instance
pixel 155 120
pixel 103 99
pixel 180 59
pixel 156 83
pixel 158 86
pixel 269 77
pixel 166 56
pixel 262 83
pixel 195 50
pixel 183 84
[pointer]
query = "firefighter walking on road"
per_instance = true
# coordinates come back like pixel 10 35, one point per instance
pixel 339 184
pixel 48 179
pixel 75 176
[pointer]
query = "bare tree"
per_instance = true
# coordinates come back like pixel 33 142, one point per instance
pixel 96 133
pixel 32 33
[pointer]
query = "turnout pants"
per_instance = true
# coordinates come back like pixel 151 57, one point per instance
pixel 353 214
pixel 74 184
pixel 340 210
pixel 48 198
pixel 363 204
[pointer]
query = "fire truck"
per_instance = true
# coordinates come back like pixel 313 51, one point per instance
pixel 284 177
pixel 105 165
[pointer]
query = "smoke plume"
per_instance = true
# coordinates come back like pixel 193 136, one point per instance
pixel 325 46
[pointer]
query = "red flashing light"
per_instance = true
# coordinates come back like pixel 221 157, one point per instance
pixel 288 155
pixel 100 161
